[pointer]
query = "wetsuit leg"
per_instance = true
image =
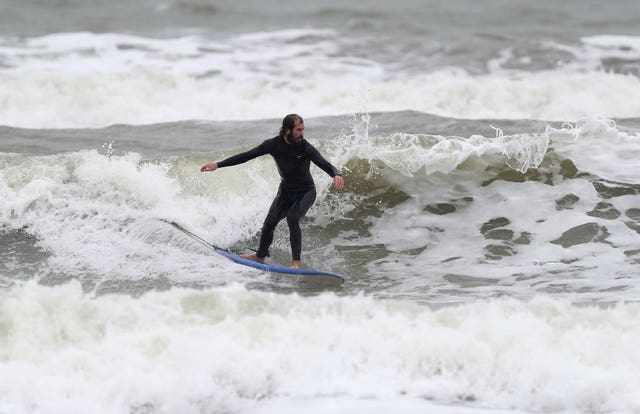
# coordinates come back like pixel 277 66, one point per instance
pixel 302 203
pixel 277 212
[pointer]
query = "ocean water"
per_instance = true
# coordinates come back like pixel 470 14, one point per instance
pixel 489 228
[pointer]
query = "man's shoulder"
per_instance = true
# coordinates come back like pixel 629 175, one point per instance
pixel 308 147
pixel 271 143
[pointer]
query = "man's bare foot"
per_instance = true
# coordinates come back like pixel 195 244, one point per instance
pixel 254 257
pixel 295 264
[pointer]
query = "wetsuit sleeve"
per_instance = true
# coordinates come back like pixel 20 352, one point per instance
pixel 321 162
pixel 245 156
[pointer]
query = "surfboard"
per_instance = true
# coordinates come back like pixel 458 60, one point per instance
pixel 305 276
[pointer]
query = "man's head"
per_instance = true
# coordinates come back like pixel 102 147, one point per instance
pixel 292 129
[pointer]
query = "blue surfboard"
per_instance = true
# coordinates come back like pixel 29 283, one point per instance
pixel 302 275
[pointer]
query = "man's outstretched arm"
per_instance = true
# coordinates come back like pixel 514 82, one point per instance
pixel 236 159
pixel 327 167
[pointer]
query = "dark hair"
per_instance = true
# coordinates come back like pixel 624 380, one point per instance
pixel 289 122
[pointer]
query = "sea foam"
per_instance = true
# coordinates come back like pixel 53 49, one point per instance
pixel 92 80
pixel 221 349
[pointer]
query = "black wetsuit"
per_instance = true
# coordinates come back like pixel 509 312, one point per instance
pixel 297 191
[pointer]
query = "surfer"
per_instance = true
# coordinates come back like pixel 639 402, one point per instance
pixel 297 191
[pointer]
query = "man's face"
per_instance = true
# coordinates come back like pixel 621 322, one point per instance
pixel 297 133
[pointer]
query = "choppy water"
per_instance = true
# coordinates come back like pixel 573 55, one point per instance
pixel 489 226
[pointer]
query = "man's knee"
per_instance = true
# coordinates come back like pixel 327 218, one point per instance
pixel 293 219
pixel 270 223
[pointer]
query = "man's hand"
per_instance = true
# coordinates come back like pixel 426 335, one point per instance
pixel 210 166
pixel 338 181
